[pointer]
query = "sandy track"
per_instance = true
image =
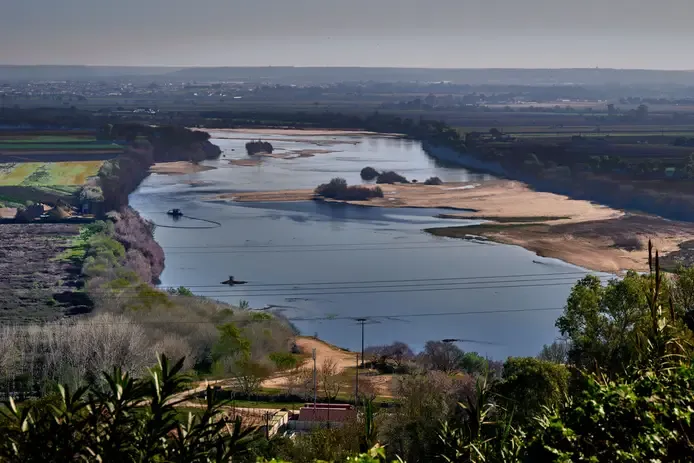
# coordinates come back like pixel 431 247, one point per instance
pixel 382 384
pixel 342 358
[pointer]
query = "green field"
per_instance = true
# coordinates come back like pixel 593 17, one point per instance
pixel 48 174
pixel 545 130
pixel 47 139
pixel 15 146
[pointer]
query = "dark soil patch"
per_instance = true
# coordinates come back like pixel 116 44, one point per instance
pixel 32 274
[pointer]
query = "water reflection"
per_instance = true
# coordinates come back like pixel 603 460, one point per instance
pixel 298 255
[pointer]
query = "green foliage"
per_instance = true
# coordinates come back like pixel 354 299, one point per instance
pixel 483 433
pixel 285 360
pixel 644 417
pixel 130 420
pixel 146 298
pixel 102 252
pixel 231 343
pixel 530 385
pixel 472 362
pixel 370 430
pixel 260 316
pixel 180 291
pixel 323 444
pixel 603 324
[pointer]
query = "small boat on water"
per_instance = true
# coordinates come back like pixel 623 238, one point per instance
pixel 175 213
pixel 232 281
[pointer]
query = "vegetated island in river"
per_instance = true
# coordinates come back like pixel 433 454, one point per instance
pixel 576 231
pixel 258 146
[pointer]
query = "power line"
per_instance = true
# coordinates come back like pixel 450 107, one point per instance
pixel 410 280
pixel 283 251
pixel 353 318
pixel 365 284
pixel 298 245
pixel 417 290
pixel 501 284
pixel 330 292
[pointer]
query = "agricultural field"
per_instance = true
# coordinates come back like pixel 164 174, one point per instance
pixel 57 146
pixel 52 146
pixel 564 130
pixel 46 174
pixel 37 283
pixel 44 166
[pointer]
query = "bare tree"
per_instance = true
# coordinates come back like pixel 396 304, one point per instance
pixel 330 376
pixel 73 352
pixel 442 356
pixel 300 382
pixel 249 375
pixel 367 390
pixel 175 347
pixel 557 352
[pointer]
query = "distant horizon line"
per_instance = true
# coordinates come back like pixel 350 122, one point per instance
pixel 172 66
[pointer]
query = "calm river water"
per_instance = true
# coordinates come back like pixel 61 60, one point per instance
pixel 332 262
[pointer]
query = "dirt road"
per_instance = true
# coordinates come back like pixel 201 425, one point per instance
pixel 343 359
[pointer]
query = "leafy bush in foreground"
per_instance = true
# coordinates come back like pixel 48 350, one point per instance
pixel 130 420
pixel 644 418
pixel 337 188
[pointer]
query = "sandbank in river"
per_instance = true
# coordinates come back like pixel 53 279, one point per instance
pixel 575 231
pixel 178 168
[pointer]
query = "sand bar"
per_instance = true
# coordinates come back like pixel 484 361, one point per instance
pixel 576 231
pixel 294 132
pixel 249 162
pixel 178 168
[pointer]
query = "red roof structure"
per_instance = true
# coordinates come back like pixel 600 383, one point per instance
pixel 327 412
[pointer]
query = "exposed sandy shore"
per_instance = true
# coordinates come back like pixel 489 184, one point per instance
pixel 249 162
pixel 610 245
pixel 499 199
pixel 258 158
pixel 178 168
pixel 294 132
pixel 311 152
pixel 7 212
pixel 578 232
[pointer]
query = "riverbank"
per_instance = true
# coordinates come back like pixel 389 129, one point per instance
pixel 576 231
pixel 178 168
pixel 294 132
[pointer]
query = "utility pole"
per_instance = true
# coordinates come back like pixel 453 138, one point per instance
pixel 356 385
pixel 315 383
pixel 362 321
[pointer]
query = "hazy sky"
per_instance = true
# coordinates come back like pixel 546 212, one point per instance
pixel 655 34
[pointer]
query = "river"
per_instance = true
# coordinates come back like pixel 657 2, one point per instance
pixel 323 264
